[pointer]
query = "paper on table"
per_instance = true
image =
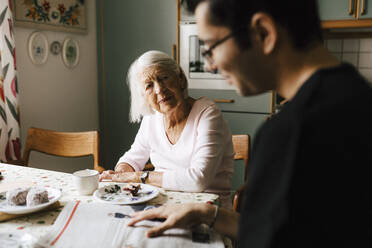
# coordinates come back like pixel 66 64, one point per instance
pixel 105 225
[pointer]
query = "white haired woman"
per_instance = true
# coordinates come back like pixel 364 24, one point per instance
pixel 187 140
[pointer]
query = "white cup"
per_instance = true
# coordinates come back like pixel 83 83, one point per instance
pixel 86 181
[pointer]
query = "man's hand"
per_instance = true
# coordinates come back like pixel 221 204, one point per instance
pixel 175 215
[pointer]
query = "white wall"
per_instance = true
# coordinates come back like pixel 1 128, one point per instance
pixel 53 96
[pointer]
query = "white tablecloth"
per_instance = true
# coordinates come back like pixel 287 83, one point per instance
pixel 38 224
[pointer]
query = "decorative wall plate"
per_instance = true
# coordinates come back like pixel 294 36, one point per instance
pixel 55 47
pixel 70 52
pixel 38 48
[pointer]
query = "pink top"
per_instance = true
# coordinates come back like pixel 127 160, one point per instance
pixel 202 158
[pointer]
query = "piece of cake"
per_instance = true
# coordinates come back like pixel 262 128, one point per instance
pixel 37 196
pixel 132 188
pixel 17 197
pixel 113 189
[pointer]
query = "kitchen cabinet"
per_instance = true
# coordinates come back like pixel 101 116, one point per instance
pixel 333 14
pixel 345 13
pixel 365 11
pixel 336 10
pixel 244 115
pixel 230 101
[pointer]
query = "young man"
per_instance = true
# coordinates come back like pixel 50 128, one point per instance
pixel 309 182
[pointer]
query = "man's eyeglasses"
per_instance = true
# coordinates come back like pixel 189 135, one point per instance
pixel 207 53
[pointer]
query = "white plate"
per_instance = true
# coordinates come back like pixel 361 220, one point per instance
pixel 146 193
pixel 53 195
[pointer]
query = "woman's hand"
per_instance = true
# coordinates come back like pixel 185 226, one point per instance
pixel 175 215
pixel 124 167
pixel 124 177
pixel 106 175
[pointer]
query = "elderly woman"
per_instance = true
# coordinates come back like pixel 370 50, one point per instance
pixel 187 140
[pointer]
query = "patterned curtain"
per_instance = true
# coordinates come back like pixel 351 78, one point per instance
pixel 10 146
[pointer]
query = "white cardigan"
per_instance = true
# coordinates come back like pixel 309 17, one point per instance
pixel 202 158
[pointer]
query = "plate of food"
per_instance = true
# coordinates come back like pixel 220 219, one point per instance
pixel 126 193
pixel 28 199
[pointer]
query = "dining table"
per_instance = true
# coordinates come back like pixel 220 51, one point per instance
pixel 38 224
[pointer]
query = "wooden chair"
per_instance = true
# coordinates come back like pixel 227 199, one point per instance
pixel 241 148
pixel 63 144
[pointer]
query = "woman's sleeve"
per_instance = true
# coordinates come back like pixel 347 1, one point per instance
pixel 207 157
pixel 139 153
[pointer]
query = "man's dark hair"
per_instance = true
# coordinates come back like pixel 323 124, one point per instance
pixel 299 18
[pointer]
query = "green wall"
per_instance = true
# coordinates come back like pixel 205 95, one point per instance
pixel 129 28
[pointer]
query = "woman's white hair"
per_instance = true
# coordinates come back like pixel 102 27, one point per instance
pixel 139 106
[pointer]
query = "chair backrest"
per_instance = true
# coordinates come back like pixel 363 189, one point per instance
pixel 241 149
pixel 63 144
pixel 241 143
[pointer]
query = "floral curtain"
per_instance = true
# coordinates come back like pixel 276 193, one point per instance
pixel 10 148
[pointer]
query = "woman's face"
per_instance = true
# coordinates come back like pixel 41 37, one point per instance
pixel 163 89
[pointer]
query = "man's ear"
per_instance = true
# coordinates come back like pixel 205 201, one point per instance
pixel 265 31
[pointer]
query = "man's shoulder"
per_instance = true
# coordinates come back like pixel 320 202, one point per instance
pixel 338 90
pixel 334 100
pixel 344 82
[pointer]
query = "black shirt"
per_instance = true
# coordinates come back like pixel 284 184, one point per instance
pixel 310 180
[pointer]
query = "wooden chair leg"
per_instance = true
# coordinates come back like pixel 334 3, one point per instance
pixel 238 198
